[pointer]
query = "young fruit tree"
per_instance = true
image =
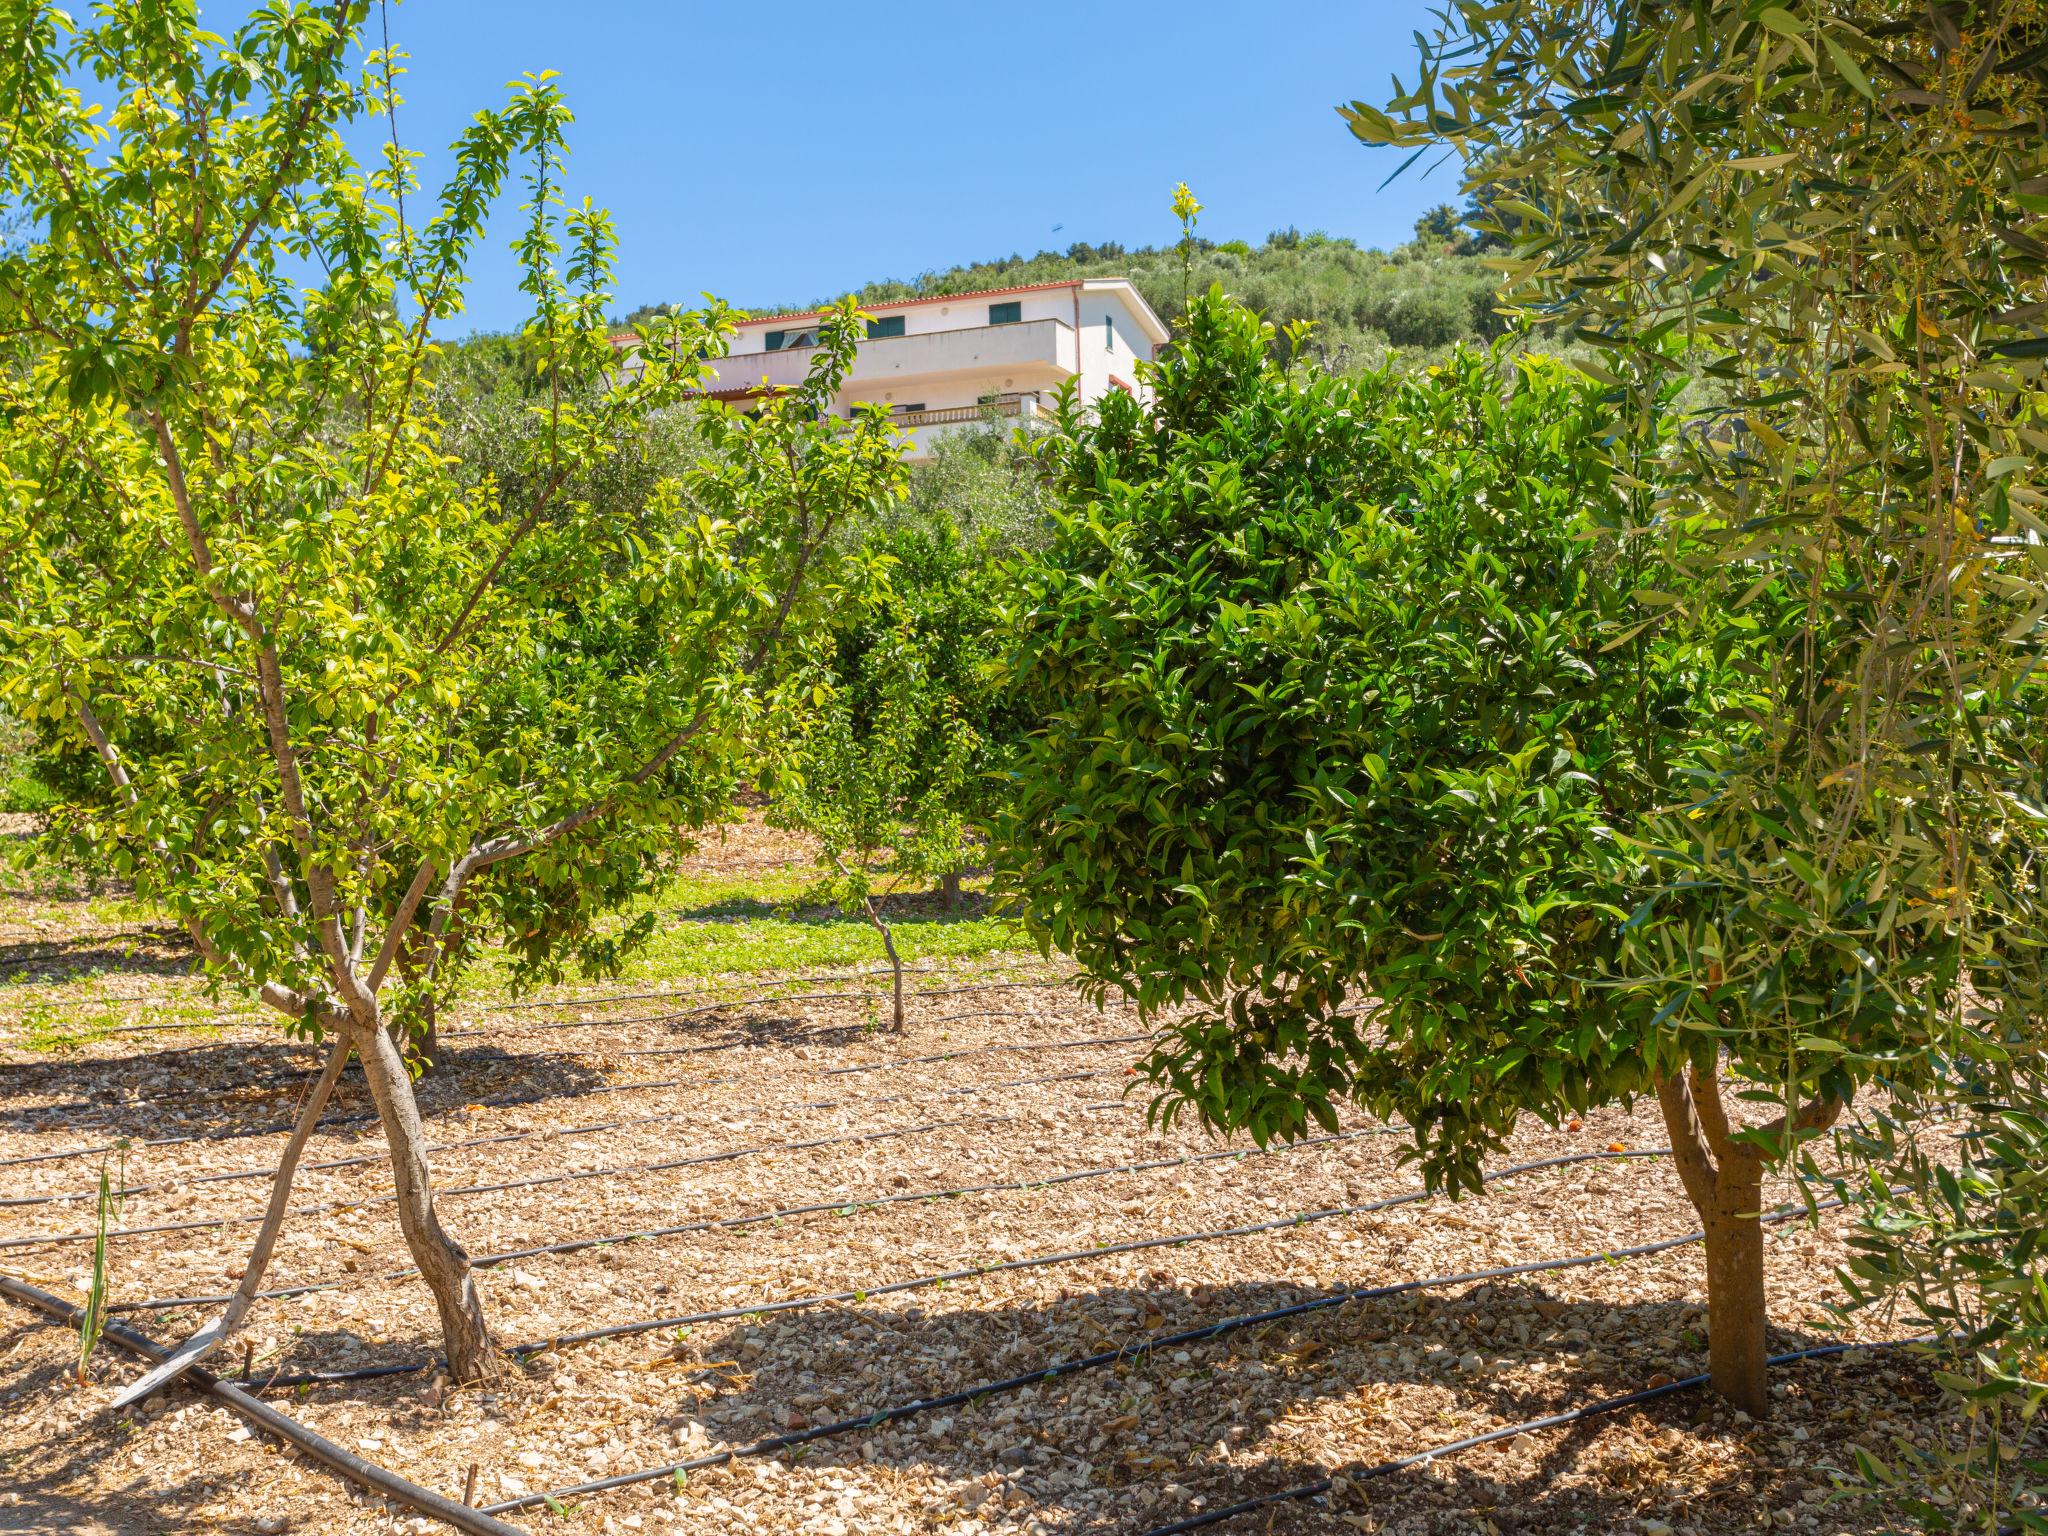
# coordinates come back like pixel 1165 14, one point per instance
pixel 358 713
pixel 893 741
pixel 1834 216
pixel 1357 706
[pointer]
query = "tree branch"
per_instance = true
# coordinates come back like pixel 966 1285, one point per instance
pixel 1696 1168
pixel 394 936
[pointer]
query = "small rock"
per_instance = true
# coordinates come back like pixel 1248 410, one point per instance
pixel 1653 1528
pixel 1018 1456
pixel 239 1433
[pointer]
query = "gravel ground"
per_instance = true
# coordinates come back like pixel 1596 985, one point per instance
pixel 1120 1449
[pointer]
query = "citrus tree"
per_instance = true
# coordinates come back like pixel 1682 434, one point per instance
pixel 891 747
pixel 357 712
pixel 1360 698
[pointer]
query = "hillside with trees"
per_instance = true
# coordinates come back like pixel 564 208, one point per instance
pixel 1417 300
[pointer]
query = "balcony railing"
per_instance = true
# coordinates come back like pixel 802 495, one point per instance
pixel 1020 403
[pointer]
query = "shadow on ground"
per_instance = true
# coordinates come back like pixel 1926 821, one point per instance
pixel 1163 1434
pixel 246 1088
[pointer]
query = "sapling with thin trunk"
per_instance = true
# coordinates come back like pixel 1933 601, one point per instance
pixel 874 759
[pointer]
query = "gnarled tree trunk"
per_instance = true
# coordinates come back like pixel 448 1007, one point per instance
pixel 1725 1180
pixel 442 1262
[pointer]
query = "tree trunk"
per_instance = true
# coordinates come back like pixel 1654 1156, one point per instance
pixel 895 963
pixel 430 1038
pixel 442 1262
pixel 949 886
pixel 1724 1179
pixel 1736 1307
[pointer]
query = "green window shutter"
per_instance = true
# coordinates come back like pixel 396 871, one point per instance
pixel 775 340
pixel 888 325
pixel 1006 314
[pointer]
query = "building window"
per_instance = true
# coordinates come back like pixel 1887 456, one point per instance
pixel 888 325
pixel 774 340
pixel 909 410
pixel 1006 314
pixel 1108 334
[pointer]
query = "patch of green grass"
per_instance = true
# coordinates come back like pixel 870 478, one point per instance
pixel 19 792
pixel 48 1026
pixel 711 926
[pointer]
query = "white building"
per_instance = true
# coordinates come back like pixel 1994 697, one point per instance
pixel 954 359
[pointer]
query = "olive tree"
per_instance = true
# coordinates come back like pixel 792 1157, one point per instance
pixel 356 710
pixel 1831 213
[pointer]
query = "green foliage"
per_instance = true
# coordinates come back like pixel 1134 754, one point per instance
pixel 322 663
pixel 1834 210
pixel 21 784
pixel 893 741
pixel 1339 693
pixel 92 1318
pixel 1948 1237
pixel 977 485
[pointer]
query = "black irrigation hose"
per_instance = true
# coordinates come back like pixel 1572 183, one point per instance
pixel 242 1133
pixel 840 1207
pixel 1137 1349
pixel 948 1277
pixel 504 1102
pixel 208 1223
pixel 641 997
pixel 484 1141
pixel 378 1480
pixel 1553 1421
pixel 729 1004
pixel 906 1061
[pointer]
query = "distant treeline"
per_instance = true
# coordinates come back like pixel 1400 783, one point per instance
pixel 1422 297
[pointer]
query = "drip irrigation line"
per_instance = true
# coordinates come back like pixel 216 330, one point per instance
pixel 502 1102
pixel 1135 1350
pixel 1579 1415
pixel 242 1133
pixel 151 1029
pixel 715 1006
pixel 641 997
pixel 1007 1266
pixel 984 1051
pixel 906 1061
pixel 686 1013
pixel 846 1207
pixel 517 1135
pixel 727 1005
pixel 378 1480
pixel 208 1223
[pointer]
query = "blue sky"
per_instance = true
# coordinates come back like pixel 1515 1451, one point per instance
pixel 780 152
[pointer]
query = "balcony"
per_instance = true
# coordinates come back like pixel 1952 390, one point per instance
pixel 1046 345
pixel 1022 404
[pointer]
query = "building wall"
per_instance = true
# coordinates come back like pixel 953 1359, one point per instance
pixel 1111 344
pixel 918 319
pixel 950 355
